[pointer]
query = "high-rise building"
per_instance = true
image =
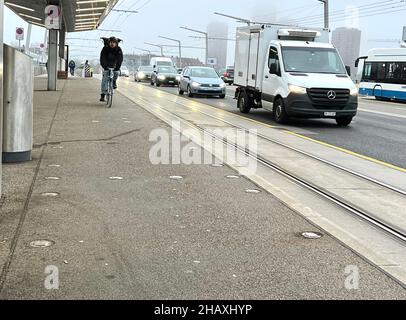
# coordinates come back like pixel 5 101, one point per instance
pixel 218 47
pixel 348 43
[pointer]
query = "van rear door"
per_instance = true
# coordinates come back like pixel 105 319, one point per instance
pixel 253 59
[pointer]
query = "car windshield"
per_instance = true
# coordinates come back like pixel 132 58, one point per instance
pixel 312 60
pixel 204 73
pixel 167 70
pixel 146 68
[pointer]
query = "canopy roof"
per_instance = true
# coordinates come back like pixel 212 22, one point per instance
pixel 78 15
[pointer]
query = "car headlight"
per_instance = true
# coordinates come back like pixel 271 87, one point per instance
pixel 161 77
pixel 297 89
pixel 141 75
pixel 178 78
pixel 223 85
pixel 195 84
pixel 354 91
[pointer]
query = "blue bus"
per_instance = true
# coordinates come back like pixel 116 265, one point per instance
pixel 384 74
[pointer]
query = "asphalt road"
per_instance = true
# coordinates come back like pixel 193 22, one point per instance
pixel 379 130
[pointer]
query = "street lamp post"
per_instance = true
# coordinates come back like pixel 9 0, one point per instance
pixel 149 52
pixel 207 40
pixel 158 46
pixel 180 48
pixel 235 18
pixel 326 14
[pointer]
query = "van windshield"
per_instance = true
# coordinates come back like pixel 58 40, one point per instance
pixel 312 60
pixel 164 63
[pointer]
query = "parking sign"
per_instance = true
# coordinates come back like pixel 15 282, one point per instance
pixel 19 33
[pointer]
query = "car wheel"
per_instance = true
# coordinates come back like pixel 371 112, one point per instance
pixel 244 102
pixel 279 111
pixel 222 96
pixel 152 83
pixel 344 121
pixel 180 91
pixel 157 84
pixel 189 92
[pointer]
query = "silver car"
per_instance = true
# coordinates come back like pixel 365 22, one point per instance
pixel 201 81
pixel 144 73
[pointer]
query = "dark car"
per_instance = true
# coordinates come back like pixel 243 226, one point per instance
pixel 144 73
pixel 201 81
pixel 228 76
pixel 165 75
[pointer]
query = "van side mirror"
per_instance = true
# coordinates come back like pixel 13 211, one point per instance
pixel 348 68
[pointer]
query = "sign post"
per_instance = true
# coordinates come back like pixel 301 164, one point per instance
pixel 211 61
pixel 19 36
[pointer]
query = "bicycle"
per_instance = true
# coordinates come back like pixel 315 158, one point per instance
pixel 110 88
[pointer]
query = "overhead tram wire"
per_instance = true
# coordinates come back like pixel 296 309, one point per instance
pixel 142 6
pixel 303 11
pixel 120 13
pixel 371 13
pixel 373 6
pixel 341 11
pixel 291 10
pixel 378 13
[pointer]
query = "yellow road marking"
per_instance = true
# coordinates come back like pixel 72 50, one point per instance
pixel 388 165
pixel 348 152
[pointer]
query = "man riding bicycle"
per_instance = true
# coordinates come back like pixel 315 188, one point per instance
pixel 111 57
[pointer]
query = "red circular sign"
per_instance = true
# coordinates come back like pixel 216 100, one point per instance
pixel 20 31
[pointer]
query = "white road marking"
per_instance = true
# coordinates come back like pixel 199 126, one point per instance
pixel 384 113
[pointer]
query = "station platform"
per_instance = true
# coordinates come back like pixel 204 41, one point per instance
pixel 121 227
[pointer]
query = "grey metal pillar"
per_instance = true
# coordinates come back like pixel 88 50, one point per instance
pixel 1 87
pixel 52 59
pixel 62 36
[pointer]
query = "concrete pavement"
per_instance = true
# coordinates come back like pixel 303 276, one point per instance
pixel 147 236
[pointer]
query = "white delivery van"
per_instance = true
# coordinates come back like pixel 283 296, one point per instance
pixel 161 61
pixel 292 72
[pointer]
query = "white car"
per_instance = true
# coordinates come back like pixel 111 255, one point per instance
pixel 125 72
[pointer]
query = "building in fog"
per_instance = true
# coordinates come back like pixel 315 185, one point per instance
pixel 348 43
pixel 218 47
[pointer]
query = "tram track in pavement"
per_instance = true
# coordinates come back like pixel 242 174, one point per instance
pixel 392 229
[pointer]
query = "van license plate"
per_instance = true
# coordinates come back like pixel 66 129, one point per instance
pixel 330 114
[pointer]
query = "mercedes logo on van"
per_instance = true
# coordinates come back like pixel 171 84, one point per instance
pixel 331 95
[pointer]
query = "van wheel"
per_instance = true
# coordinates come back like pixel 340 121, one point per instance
pixel 244 102
pixel 222 96
pixel 152 83
pixel 279 111
pixel 180 91
pixel 344 121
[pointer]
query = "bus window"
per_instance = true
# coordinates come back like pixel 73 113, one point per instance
pixel 367 71
pixel 381 72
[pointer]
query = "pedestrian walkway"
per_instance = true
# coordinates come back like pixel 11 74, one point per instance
pixel 123 228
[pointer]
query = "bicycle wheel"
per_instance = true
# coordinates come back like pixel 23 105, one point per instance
pixel 110 95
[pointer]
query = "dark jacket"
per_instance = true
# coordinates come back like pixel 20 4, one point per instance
pixel 111 58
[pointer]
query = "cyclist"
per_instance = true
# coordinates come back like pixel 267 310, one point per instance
pixel 111 57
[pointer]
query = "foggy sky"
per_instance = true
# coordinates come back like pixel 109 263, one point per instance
pixel 164 17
